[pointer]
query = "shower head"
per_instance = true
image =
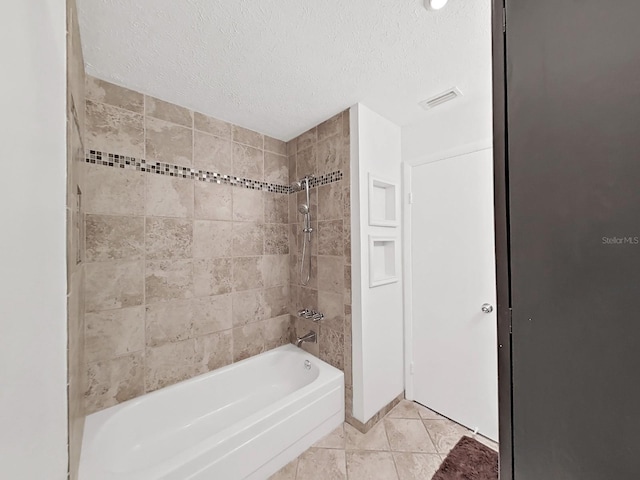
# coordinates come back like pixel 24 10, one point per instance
pixel 303 209
pixel 296 186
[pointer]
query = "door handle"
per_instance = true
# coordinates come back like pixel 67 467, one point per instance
pixel 487 308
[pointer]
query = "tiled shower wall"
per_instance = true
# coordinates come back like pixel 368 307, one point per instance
pixel 183 275
pixel 321 150
pixel 75 255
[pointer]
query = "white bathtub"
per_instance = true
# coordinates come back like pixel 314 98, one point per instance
pixel 243 421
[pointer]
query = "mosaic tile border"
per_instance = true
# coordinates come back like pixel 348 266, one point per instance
pixel 106 159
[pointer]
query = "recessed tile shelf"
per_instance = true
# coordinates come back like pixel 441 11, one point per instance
pixel 382 261
pixel 383 203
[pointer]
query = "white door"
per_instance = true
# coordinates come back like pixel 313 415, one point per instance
pixel 453 275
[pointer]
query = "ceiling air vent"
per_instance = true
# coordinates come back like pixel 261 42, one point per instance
pixel 441 98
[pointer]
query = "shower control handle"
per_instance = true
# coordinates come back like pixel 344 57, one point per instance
pixel 311 314
pixel 487 308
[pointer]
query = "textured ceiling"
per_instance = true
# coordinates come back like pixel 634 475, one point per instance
pixel 281 66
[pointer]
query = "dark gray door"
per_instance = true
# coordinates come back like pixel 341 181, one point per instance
pixel 573 119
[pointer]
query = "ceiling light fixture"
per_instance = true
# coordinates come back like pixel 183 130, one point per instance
pixel 435 4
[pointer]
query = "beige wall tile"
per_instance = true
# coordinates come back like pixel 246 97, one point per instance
pixel 277 332
pixel 111 285
pixel 169 112
pixel 247 273
pixel 330 206
pixel 113 333
pixel 276 207
pixel 76 375
pixel 168 322
pixel 167 142
pixel 308 298
pixel 112 191
pixel 248 239
pixel 275 270
pixel 212 153
pixel 171 363
pixel 330 127
pixel 346 226
pixel 307 139
pixel 213 201
pixel 293 172
pixel 113 237
pixel 330 304
pixel 329 155
pixel 212 276
pixel 167 280
pixel 114 381
pixel 248 162
pixel 217 349
pixel 248 307
pixel 248 137
pixel 331 274
pixel 274 145
pixel 276 169
pixel 212 125
pixel 248 341
pixel 332 347
pixel 114 130
pixel 212 239
pixel 306 163
pixel 211 314
pixel 347 287
pixel 168 196
pixel 276 239
pixel 330 238
pixel 104 92
pixel 248 205
pixel 292 147
pixel 276 301
pixel 168 238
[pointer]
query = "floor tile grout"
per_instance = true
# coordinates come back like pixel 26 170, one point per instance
pixel 451 430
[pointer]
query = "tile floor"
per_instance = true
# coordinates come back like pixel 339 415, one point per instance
pixel 408 444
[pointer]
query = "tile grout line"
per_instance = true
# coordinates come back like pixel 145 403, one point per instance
pixel 389 441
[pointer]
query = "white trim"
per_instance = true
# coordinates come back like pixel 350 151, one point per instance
pixel 406 277
pixel 453 152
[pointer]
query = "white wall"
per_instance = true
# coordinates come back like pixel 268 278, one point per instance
pixel 377 312
pixel 449 127
pixel 33 403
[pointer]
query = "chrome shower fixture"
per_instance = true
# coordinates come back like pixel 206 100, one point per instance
pixel 305 209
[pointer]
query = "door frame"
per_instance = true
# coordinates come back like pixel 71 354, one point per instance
pixel 501 219
pixel 407 265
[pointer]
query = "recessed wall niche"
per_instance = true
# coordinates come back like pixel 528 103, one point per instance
pixel 382 261
pixel 383 203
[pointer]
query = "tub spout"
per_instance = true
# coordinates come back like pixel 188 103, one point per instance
pixel 310 337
